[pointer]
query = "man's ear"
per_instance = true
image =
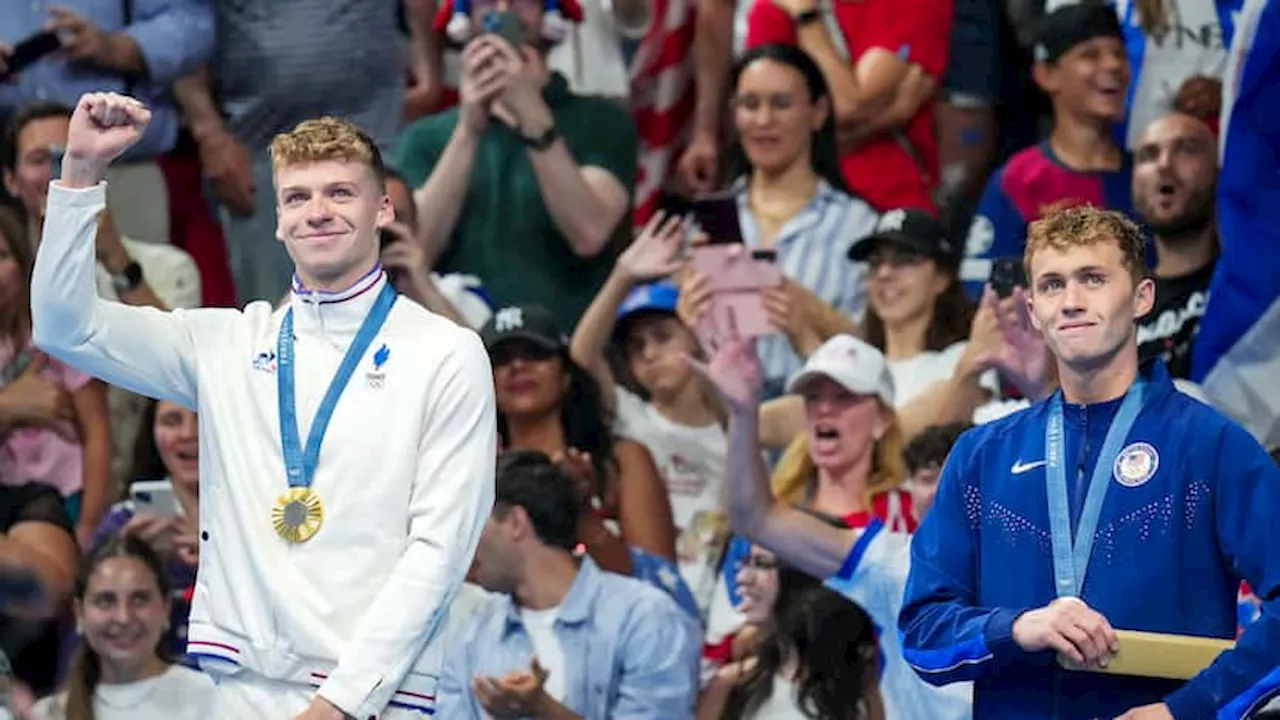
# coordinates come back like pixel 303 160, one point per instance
pixel 1144 297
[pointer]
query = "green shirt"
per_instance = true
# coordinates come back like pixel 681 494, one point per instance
pixel 505 235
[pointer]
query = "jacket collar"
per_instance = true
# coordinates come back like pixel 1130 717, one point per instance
pixel 577 603
pixel 340 311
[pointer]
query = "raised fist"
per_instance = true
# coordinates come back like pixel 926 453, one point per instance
pixel 103 126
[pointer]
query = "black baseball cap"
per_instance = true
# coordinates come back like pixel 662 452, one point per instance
pixel 531 323
pixel 910 228
pixel 1068 26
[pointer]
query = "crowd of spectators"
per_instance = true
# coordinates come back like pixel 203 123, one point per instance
pixel 554 175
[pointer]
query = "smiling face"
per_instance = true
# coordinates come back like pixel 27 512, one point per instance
pixel 757 580
pixel 28 181
pixel 122 615
pixel 177 440
pixel 1175 173
pixel 329 214
pixel 1089 80
pixel 903 284
pixel 775 116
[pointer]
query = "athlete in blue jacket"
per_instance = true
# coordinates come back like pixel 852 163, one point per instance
pixel 1171 503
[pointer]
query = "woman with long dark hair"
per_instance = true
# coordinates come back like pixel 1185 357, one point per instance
pixel 122 668
pixel 790 194
pixel 813 655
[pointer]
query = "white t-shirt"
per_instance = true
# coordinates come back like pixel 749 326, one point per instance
pixel 178 693
pixel 691 462
pixel 781 704
pixel 913 376
pixel 541 626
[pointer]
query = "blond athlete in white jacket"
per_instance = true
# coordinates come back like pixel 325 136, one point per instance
pixel 326 570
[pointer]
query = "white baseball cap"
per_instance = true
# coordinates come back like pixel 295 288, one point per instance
pixel 853 364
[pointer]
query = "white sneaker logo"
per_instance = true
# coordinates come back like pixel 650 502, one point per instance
pixel 1021 467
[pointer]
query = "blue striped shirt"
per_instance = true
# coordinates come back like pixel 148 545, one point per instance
pixel 175 37
pixel 630 651
pixel 812 250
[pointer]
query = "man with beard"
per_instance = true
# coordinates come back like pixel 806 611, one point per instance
pixel 1175 176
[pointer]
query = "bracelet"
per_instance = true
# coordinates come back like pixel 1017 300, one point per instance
pixel 807 17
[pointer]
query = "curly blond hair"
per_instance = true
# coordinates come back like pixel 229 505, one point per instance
pixel 327 138
pixel 1060 228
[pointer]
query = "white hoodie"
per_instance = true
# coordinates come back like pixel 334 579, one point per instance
pixel 405 472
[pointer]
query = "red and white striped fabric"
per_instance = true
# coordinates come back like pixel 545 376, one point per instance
pixel 662 99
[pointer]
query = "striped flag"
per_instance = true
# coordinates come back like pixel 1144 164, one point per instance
pixel 662 98
pixel 1237 353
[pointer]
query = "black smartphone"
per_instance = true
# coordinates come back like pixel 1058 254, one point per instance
pixel 717 216
pixel 1007 273
pixel 506 26
pixel 30 50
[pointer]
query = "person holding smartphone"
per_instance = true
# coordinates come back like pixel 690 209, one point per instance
pixel 527 183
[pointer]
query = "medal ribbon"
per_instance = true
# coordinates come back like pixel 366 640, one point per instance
pixel 299 465
pixel 1071 559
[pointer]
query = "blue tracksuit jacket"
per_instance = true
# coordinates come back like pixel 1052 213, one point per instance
pixel 1168 557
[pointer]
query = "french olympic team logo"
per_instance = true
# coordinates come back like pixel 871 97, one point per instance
pixel 1136 464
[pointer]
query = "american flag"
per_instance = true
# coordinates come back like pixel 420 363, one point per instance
pixel 662 99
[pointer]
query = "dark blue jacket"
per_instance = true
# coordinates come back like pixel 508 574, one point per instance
pixel 1168 557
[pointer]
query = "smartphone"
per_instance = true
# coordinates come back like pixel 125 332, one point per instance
pixel 154 497
pixel 506 26
pixel 738 278
pixel 1007 273
pixel 717 217
pixel 30 51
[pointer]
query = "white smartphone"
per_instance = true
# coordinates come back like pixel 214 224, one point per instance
pixel 154 497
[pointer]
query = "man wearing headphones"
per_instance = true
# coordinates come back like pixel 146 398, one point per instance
pixel 522 168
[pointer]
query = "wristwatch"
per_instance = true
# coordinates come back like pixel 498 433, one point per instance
pixel 543 141
pixel 127 279
pixel 808 16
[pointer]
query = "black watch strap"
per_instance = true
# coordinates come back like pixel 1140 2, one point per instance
pixel 129 278
pixel 543 141
pixel 807 17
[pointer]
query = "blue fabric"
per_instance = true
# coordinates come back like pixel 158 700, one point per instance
pixel 1169 555
pixel 630 651
pixel 175 37
pixel 1243 286
pixel 664 575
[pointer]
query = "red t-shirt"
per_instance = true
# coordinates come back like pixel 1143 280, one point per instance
pixel 883 172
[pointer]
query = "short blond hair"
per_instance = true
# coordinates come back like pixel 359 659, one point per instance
pixel 327 138
pixel 1063 227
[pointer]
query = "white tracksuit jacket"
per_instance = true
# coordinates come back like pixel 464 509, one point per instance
pixel 405 472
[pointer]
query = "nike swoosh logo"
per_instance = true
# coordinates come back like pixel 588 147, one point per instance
pixel 1021 467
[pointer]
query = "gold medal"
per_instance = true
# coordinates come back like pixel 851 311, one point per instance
pixel 298 515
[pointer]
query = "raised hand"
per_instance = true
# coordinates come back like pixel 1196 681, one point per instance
pixel 103 127
pixel 35 401
pixel 734 371
pixel 655 253
pixel 484 76
pixel 1003 338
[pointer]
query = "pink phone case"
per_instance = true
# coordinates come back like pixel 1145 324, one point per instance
pixel 738 281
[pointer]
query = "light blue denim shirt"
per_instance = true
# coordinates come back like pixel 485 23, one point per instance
pixel 630 652
pixel 175 37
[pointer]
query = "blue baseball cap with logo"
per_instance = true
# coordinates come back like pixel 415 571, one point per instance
pixel 650 298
